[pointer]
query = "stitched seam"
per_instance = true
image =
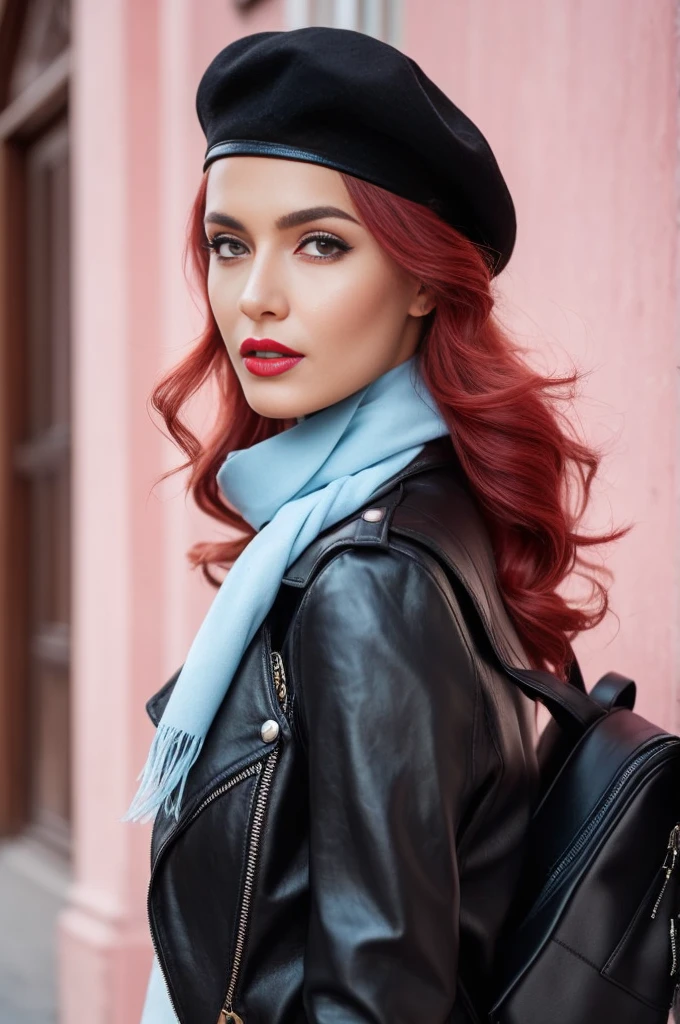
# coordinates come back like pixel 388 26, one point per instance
pixel 371 540
pixel 489 797
pixel 416 535
pixel 318 564
pixel 391 485
pixel 607 977
pixel 434 574
pixel 575 953
pixel 494 569
pixel 485 807
pixel 644 902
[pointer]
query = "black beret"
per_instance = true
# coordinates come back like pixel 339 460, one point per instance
pixel 348 101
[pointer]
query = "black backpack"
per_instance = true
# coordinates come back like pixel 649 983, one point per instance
pixel 594 935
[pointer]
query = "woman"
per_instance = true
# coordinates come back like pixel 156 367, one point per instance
pixel 342 772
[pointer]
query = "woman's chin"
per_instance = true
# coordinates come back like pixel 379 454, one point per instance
pixel 276 407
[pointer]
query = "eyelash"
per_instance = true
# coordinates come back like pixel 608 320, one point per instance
pixel 213 245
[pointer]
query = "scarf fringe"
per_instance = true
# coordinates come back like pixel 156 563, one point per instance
pixel 171 755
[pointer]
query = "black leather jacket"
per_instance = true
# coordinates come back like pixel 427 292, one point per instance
pixel 352 831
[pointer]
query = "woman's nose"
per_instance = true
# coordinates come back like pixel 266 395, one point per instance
pixel 263 293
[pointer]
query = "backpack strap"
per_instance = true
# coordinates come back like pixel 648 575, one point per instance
pixel 614 691
pixel 611 691
pixel 460 544
pixel 573 709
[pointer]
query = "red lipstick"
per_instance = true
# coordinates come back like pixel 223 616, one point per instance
pixel 268 366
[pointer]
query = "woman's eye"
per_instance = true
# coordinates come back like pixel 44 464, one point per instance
pixel 224 247
pixel 323 244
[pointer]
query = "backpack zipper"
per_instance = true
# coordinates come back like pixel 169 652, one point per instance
pixel 586 833
pixel 667 866
pixel 674 948
pixel 228 1015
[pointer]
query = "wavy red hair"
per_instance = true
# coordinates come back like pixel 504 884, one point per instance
pixel 522 458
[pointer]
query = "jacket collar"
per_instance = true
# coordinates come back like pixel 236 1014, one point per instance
pixel 354 528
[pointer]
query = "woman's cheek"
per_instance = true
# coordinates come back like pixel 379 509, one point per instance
pixel 224 310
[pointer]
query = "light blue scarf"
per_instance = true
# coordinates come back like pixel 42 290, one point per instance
pixel 290 488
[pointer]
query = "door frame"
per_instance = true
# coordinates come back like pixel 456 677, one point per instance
pixel 45 100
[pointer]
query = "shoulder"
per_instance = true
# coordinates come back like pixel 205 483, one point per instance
pixel 384 669
pixel 379 634
pixel 364 588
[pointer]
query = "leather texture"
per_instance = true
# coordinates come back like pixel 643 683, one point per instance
pixel 358 866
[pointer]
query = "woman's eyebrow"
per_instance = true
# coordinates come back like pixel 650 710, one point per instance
pixel 289 220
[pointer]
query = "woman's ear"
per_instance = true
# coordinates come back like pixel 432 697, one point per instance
pixel 423 302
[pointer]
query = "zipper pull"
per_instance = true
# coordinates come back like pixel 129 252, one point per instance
pixel 669 863
pixel 228 1016
pixel 279 679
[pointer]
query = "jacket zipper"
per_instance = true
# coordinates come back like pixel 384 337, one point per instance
pixel 587 832
pixel 228 1014
pixel 254 769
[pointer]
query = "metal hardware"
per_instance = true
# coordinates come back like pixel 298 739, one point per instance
pixel 230 1017
pixel 279 679
pixel 269 730
pixel 674 950
pixel 668 864
pixel 253 850
pixel 253 769
pixel 251 865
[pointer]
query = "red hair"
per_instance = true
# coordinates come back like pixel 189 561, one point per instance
pixel 519 453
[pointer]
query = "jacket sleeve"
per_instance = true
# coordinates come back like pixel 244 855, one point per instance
pixel 387 699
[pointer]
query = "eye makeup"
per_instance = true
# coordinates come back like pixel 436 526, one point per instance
pixel 215 243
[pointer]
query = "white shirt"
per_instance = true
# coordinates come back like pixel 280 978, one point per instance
pixel 157 1006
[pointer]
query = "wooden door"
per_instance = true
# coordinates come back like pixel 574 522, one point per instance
pixel 43 461
pixel 34 419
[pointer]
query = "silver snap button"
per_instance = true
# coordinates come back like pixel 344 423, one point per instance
pixel 269 730
pixel 373 515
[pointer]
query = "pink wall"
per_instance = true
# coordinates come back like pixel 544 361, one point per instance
pixel 579 101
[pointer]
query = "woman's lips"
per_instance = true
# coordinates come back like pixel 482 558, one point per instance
pixel 270 367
